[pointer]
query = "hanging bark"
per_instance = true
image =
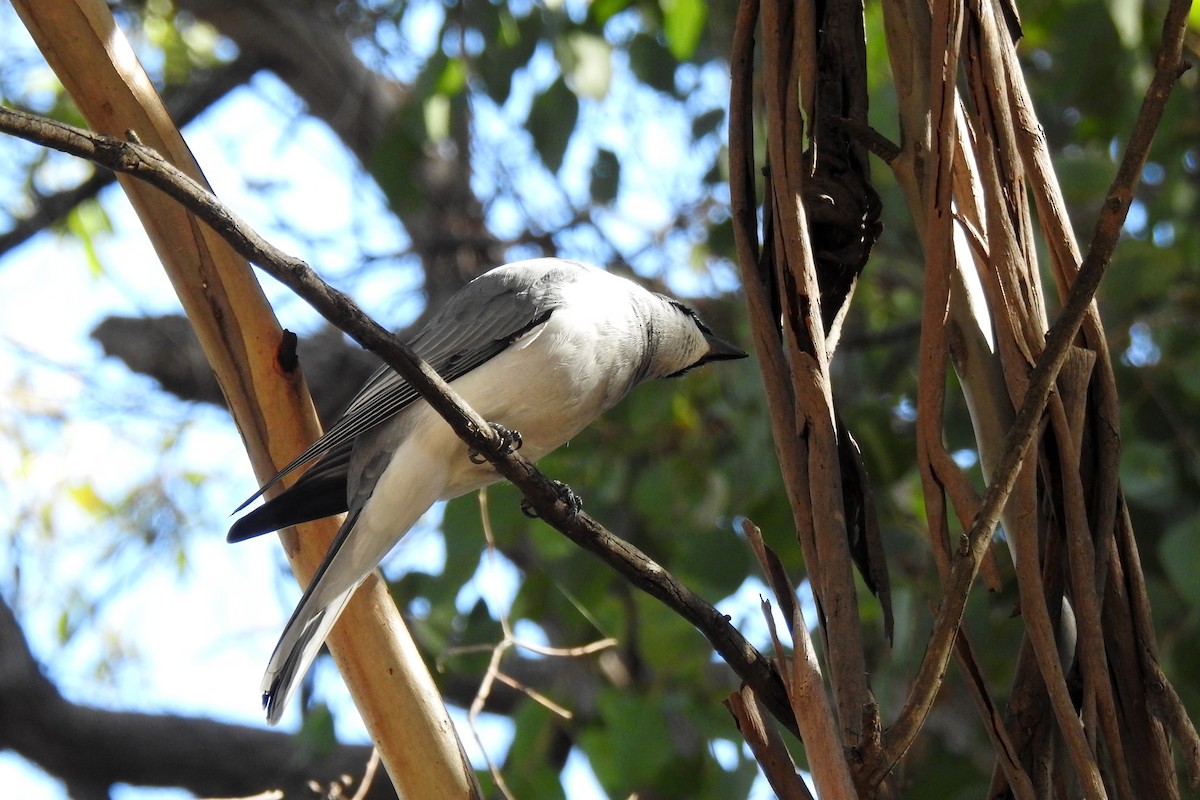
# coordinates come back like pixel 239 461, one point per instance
pixel 975 170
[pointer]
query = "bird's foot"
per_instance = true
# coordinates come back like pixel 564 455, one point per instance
pixel 509 440
pixel 573 501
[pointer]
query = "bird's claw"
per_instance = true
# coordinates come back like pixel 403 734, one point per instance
pixel 573 501
pixel 509 440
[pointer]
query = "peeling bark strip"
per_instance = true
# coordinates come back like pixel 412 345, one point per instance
pixel 820 220
pixel 975 170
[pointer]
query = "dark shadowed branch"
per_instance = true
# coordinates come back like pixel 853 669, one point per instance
pixel 90 749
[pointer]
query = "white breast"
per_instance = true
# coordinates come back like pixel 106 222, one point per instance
pixel 548 385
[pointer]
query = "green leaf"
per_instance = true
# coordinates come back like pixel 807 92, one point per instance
pixel 1084 174
pixel 508 51
pixel 86 221
pixel 716 563
pixel 586 61
pixel 453 78
pixel 606 177
pixel 652 63
pixel 395 162
pixel 64 628
pixel 601 11
pixel 535 738
pixel 464 539
pixel 708 122
pixel 1180 555
pixel 683 23
pixel 551 122
pixel 316 734
pixel 631 746
pixel 1147 473
pixel 86 498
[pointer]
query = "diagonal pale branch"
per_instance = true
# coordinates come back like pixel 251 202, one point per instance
pixel 270 404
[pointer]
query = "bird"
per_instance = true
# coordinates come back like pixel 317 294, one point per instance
pixel 539 348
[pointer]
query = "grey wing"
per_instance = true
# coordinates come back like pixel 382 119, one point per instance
pixel 475 325
pixel 320 493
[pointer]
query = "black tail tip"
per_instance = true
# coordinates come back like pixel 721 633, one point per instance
pixel 271 705
pixel 243 529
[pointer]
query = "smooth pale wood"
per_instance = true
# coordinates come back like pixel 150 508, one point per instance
pixel 240 335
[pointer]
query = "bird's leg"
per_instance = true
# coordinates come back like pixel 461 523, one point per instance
pixel 509 440
pixel 573 501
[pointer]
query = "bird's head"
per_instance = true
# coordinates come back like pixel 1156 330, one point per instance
pixel 684 342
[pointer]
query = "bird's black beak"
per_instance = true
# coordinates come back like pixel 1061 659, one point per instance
pixel 721 350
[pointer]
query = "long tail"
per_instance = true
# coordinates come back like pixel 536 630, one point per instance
pixel 320 493
pixel 319 608
pixel 295 653
pixel 381 513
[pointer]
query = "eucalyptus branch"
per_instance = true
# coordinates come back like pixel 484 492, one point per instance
pixel 545 495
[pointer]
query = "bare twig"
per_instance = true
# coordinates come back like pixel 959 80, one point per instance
pixel 368 777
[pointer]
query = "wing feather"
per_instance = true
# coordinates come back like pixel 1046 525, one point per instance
pixel 474 326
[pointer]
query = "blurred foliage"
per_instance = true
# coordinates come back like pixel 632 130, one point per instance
pixel 577 116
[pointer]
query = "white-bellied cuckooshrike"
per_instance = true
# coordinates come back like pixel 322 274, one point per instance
pixel 538 347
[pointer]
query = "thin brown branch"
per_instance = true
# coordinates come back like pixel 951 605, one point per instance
pixel 936 225
pixel 766 745
pixel 818 505
pixel 545 495
pixel 1099 705
pixel 1042 380
pixel 868 137
pixel 826 759
pixel 1019 322
pixel 1006 754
